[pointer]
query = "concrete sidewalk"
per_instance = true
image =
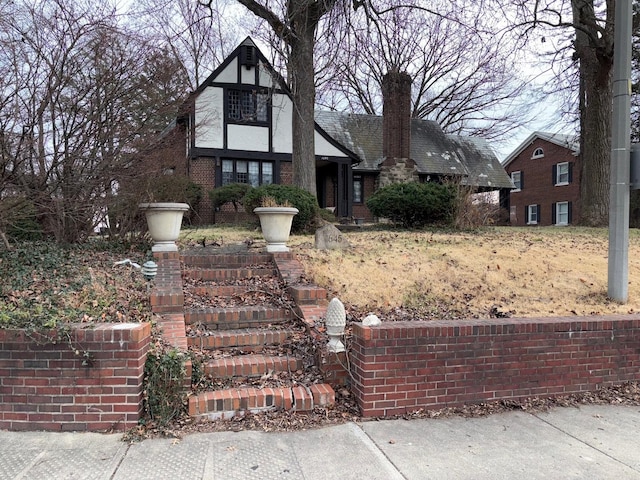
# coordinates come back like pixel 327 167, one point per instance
pixel 593 442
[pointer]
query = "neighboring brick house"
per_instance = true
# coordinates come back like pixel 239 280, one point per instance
pixel 237 127
pixel 545 170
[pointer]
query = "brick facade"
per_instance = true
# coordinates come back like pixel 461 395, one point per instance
pixel 399 367
pixel 360 210
pixel 45 385
pixel 396 115
pixel 203 172
pixel 538 185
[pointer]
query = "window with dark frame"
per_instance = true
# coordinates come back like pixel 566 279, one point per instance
pixel 516 177
pixel 358 189
pixel 253 172
pixel 247 106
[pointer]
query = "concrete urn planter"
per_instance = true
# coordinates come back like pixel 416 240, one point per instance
pixel 275 223
pixel 164 221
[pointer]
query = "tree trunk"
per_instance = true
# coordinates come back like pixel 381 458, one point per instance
pixel 301 74
pixel 596 154
pixel 595 51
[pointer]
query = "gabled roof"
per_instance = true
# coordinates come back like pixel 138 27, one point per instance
pixel 570 142
pixel 281 85
pixel 279 79
pixel 433 151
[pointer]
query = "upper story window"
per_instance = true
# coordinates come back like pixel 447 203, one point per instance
pixel 538 153
pixel 247 106
pixel 562 173
pixel 516 178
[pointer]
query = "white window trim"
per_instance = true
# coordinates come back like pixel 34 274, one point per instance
pixel 561 184
pixel 558 214
pixel 539 155
pixel 529 208
pixel 516 189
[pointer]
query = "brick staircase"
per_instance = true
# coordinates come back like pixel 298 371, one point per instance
pixel 247 319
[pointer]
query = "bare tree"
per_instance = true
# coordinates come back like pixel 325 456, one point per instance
pixel 86 101
pixel 295 22
pixel 591 55
pixel 463 78
pixel 200 38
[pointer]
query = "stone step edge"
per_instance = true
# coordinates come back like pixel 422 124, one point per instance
pixel 252 365
pixel 253 337
pixel 229 403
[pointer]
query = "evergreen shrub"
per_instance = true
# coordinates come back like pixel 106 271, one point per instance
pixel 414 205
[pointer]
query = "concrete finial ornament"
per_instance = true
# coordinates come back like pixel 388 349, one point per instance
pixel 335 321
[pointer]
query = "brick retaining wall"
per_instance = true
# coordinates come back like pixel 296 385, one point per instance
pixel 399 367
pixel 45 386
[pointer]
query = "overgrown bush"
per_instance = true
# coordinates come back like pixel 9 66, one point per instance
pixel 414 204
pixel 164 393
pixel 175 188
pixel 232 193
pixel 125 219
pixel 18 219
pixel 473 210
pixel 298 197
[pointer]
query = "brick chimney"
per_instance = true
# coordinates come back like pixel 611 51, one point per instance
pixel 396 130
pixel 396 115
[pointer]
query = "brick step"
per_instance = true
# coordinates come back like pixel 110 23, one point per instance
pixel 251 365
pixel 221 290
pixel 233 402
pixel 220 274
pixel 253 339
pixel 232 318
pixel 235 260
pixel 308 294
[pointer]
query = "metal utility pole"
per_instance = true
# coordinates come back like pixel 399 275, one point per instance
pixel 620 156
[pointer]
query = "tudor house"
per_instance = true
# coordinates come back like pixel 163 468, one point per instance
pixel 545 170
pixel 238 128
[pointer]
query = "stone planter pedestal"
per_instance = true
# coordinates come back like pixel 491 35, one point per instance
pixel 275 223
pixel 164 221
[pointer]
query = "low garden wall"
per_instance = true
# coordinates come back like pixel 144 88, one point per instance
pixel 399 367
pixel 88 379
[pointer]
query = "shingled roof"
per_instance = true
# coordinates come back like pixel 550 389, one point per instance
pixel 434 152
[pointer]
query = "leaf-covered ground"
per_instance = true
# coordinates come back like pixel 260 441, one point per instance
pixel 399 275
pixel 45 285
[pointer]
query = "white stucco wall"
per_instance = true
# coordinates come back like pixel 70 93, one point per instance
pixel 324 148
pixel 248 76
pixel 265 79
pixel 230 73
pixel 281 113
pixel 209 118
pixel 245 137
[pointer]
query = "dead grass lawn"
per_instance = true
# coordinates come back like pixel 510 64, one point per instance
pixel 520 271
